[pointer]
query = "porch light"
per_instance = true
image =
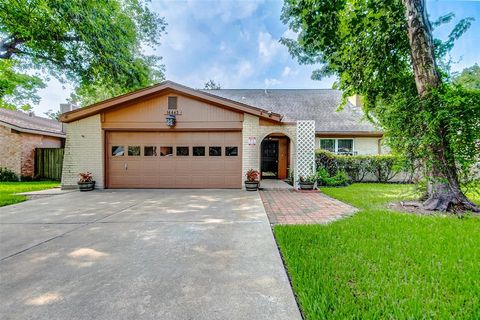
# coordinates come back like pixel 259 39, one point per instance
pixel 171 120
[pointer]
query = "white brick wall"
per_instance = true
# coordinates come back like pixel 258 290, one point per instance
pixel 252 129
pixel 83 151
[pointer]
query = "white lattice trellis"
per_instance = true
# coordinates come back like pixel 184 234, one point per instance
pixel 305 160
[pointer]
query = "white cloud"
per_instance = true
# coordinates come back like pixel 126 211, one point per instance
pixel 237 10
pixel 244 69
pixel 227 11
pixel 54 94
pixel 290 34
pixel 289 72
pixel 270 82
pixel 268 47
pixel 245 35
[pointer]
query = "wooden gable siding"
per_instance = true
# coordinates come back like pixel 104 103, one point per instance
pixel 150 114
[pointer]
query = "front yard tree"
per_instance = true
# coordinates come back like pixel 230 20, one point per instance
pixel 94 44
pixel 469 77
pixel 384 51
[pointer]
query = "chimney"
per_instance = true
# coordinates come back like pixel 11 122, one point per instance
pixel 31 113
pixel 66 107
pixel 356 100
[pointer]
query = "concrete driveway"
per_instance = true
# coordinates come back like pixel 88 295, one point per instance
pixel 142 254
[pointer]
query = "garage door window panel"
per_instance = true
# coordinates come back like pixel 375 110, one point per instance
pixel 215 151
pixel 150 151
pixel 198 151
pixel 182 152
pixel 133 151
pixel 118 151
pixel 166 151
pixel 231 151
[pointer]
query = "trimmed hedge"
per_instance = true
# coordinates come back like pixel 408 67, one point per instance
pixel 383 167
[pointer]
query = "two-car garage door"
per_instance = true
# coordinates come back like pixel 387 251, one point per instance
pixel 174 159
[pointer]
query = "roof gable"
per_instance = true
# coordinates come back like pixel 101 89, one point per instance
pixel 162 89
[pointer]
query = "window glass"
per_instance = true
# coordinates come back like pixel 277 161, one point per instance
pixel 231 151
pixel 182 151
pixel 149 151
pixel 215 151
pixel 133 150
pixel 198 151
pixel 118 151
pixel 327 144
pixel 166 151
pixel 345 146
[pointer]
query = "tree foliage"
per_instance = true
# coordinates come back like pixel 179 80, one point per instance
pixel 212 85
pixel 96 45
pixel 469 77
pixel 17 89
pixel 366 45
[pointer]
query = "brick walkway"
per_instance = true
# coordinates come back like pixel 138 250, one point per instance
pixel 293 207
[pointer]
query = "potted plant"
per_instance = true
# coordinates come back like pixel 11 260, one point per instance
pixel 85 181
pixel 251 184
pixel 308 182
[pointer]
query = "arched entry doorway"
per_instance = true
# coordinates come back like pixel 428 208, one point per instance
pixel 275 156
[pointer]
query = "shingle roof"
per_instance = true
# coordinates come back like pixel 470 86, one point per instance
pixel 24 122
pixel 305 104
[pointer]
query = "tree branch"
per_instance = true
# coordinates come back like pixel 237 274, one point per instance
pixel 41 56
pixel 8 45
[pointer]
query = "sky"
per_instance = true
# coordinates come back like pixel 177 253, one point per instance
pixel 236 43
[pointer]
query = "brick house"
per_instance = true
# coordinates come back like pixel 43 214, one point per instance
pixel 172 136
pixel 20 134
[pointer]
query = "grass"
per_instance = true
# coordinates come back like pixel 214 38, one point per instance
pixel 8 190
pixel 380 264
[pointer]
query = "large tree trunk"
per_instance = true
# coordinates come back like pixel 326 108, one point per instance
pixel 444 191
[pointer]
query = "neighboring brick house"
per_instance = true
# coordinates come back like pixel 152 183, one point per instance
pixel 172 136
pixel 20 134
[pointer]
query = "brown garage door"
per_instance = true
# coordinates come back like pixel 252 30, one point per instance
pixel 174 160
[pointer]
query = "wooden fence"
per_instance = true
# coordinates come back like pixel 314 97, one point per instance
pixel 48 163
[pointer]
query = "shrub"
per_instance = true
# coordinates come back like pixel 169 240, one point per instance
pixel 7 175
pixel 340 179
pixel 383 167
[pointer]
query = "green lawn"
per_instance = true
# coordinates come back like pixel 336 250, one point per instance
pixel 7 190
pixel 381 264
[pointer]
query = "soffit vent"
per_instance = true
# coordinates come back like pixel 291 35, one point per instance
pixel 172 103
